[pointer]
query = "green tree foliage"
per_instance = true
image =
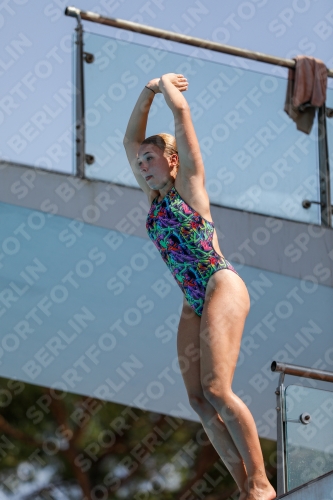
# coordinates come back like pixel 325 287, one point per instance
pixel 59 445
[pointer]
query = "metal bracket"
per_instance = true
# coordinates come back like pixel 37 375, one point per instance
pixel 90 159
pixel 308 203
pixel 88 57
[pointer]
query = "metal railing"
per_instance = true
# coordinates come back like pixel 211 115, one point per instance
pixel 301 371
pixel 82 158
pixel 298 371
pixel 177 37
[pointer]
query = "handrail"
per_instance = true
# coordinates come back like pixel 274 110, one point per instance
pixel 177 37
pixel 302 371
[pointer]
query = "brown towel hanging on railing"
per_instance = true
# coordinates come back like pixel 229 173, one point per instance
pixel 306 90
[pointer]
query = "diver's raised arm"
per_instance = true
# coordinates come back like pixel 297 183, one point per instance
pixel 136 129
pixel 137 124
pixel 190 160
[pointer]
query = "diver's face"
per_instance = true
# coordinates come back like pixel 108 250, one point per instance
pixel 154 167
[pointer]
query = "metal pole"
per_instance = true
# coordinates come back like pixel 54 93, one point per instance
pixel 302 371
pixel 177 37
pixel 324 169
pixel 280 438
pixel 80 118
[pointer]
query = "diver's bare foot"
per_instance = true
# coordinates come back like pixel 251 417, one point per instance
pixel 263 493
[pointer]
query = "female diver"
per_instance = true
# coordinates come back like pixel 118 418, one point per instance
pixel 216 302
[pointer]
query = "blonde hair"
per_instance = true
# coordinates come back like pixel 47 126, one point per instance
pixel 165 142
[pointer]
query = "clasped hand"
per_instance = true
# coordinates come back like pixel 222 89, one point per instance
pixel 179 81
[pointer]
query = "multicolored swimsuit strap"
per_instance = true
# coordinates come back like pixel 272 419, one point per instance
pixel 185 241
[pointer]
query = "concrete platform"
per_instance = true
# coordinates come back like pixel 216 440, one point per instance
pixel 317 489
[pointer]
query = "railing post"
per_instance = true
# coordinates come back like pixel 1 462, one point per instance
pixel 280 438
pixel 324 169
pixel 80 132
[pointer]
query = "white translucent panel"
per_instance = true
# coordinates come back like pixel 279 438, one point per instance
pixel 255 158
pixel 309 433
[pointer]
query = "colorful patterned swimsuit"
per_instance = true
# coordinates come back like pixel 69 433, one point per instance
pixel 184 239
